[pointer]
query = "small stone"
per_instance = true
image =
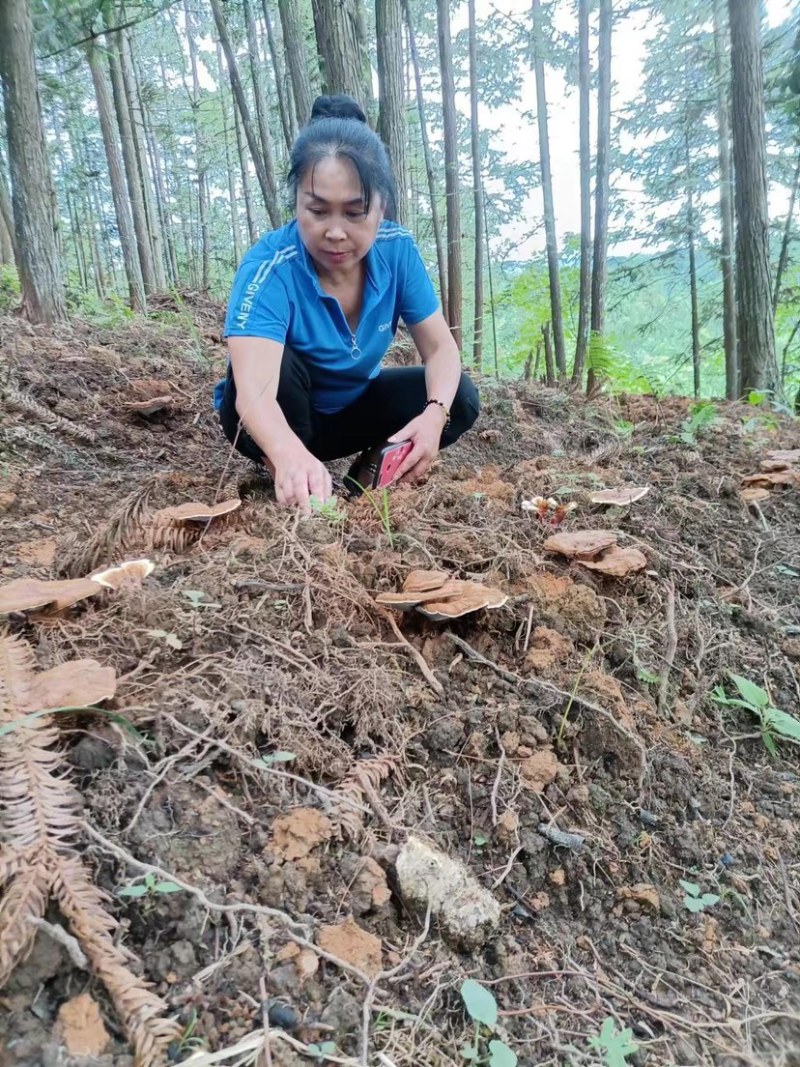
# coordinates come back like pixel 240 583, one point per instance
pixel 282 1016
pixel 539 770
pixel 510 742
pixel 507 825
pixel 81 1026
pixel 557 877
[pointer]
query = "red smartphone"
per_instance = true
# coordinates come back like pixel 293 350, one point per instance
pixel 379 466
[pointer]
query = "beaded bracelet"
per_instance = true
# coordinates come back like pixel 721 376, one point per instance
pixel 445 409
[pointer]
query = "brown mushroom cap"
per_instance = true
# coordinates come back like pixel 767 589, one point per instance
pixel 409 599
pixel 151 406
pixel 423 581
pixel 30 594
pixel 754 494
pixel 767 478
pixel 617 561
pixel 581 544
pixel 621 497
pixel 784 455
pixel 192 512
pixel 132 571
pixel 471 597
pixel 77 683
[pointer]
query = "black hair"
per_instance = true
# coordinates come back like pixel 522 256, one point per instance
pixel 338 127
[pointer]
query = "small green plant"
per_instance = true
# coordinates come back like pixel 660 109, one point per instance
pixel 772 721
pixel 380 503
pixel 197 598
pixel 695 899
pixel 328 509
pixel 323 1050
pixel 170 639
pixel 614 1045
pixel 9 287
pixel 188 1041
pixel 148 887
pixel 624 428
pixel 276 757
pixel 482 1009
pixel 702 416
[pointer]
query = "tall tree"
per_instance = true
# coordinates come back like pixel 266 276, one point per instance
pixel 691 233
pixel 285 102
pixel 551 239
pixel 426 152
pixel 783 258
pixel 477 188
pixel 602 179
pixel 200 149
pixel 339 29
pixel 392 104
pixel 452 188
pixel 296 58
pixel 132 176
pixel 34 217
pixel 260 93
pixel 119 195
pixel 585 164
pixel 732 370
pixel 753 283
pixel 267 190
pixel 8 248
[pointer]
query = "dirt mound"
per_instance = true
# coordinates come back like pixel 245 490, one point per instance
pixel 564 751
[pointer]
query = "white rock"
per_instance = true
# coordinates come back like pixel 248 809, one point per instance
pixel 466 912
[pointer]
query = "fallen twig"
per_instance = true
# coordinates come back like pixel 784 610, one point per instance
pixel 672 648
pixel 419 659
pixel 561 837
pixel 62 937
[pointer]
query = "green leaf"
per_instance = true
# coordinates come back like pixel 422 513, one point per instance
pixel 480 839
pixel 693 904
pixel 501 1055
pixel 769 742
pixel 194 595
pixel 120 720
pixel 278 757
pixel 479 1002
pixel 167 887
pixel 692 888
pixel 132 891
pixel 781 722
pixel 616 1045
pixel 468 1052
pixel 707 899
pixel 750 692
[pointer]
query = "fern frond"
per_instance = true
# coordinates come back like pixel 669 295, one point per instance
pixel 124 528
pixel 26 898
pixel 348 820
pixel 26 404
pixel 139 1009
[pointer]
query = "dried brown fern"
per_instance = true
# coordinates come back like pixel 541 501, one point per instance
pixel 124 529
pixel 348 820
pixel 39 828
pixel 29 406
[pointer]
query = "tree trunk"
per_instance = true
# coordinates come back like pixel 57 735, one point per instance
pixel 260 93
pixel 161 186
pixel 6 221
pixel 551 238
pixel 127 238
pixel 247 192
pixel 392 114
pixel 585 287
pixel 339 29
pixel 132 180
pixel 550 370
pixel 477 188
pixel 732 369
pixel 296 58
pixel 783 259
pixel 154 225
pixel 451 172
pixel 285 104
pixel 426 152
pixel 201 153
pixel 600 251
pixel 753 283
pixel 691 234
pixel 232 197
pixel 34 218
pixel 244 111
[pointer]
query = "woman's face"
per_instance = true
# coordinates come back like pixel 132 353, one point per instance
pixel 334 226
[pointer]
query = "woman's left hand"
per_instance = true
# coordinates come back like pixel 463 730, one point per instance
pixel 425 432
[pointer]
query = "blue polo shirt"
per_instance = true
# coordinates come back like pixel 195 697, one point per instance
pixel 276 294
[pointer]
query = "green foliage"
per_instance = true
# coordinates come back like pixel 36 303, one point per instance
pixel 695 899
pixel 322 1050
pixel 479 1002
pixel 500 1055
pixel 614 1045
pixel 148 887
pixel 772 721
pixel 328 509
pixel 277 757
pixel 702 417
pixel 9 287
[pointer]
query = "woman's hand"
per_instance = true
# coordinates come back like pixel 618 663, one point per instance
pixel 298 477
pixel 425 432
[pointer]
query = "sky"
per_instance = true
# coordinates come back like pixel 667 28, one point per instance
pixel 629 40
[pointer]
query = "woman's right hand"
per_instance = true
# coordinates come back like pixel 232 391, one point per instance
pixel 298 477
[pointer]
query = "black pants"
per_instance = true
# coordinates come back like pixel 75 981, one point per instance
pixel 390 401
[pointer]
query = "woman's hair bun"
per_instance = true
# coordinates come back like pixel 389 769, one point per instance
pixel 340 106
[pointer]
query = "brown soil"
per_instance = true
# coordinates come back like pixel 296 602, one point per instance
pixel 259 635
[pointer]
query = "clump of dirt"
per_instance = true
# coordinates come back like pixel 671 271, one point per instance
pixel 565 750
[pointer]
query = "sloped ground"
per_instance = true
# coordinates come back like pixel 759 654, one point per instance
pixel 583 705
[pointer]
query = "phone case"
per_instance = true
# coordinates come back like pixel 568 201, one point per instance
pixel 378 466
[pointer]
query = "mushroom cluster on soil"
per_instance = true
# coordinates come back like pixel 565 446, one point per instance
pixel 779 470
pixel 439 597
pixel 598 550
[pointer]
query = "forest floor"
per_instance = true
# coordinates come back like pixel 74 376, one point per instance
pixel 292 740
